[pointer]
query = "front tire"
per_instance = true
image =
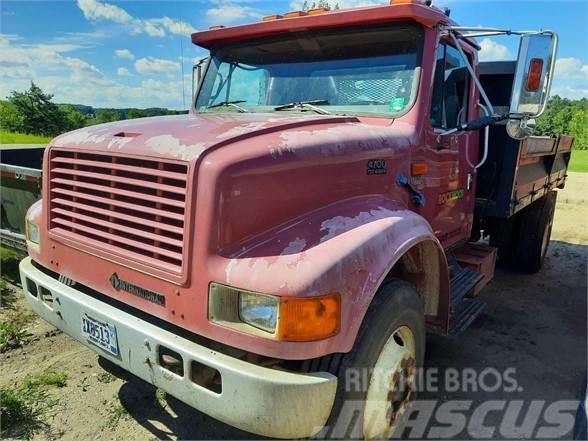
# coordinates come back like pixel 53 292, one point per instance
pixel 389 349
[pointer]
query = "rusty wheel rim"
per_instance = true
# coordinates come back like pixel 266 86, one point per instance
pixel 391 385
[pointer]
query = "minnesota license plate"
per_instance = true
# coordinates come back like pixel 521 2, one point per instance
pixel 100 333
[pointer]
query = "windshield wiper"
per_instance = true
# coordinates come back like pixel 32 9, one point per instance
pixel 308 104
pixel 230 104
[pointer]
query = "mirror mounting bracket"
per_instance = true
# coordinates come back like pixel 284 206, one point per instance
pixel 522 113
pixel 197 74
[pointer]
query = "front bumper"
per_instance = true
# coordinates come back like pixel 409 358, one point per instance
pixel 261 400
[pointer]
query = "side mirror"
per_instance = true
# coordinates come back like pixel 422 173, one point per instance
pixel 532 81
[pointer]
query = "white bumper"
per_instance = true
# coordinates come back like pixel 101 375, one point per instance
pixel 265 401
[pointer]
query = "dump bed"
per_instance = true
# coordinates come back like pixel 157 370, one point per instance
pixel 516 172
pixel 20 172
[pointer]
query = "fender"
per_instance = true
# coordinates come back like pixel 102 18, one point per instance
pixel 348 247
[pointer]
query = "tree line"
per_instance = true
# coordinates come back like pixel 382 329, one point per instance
pixel 565 116
pixel 320 4
pixel 33 112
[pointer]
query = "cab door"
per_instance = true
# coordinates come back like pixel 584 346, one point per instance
pixel 448 185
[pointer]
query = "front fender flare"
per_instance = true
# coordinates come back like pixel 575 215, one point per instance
pixel 347 247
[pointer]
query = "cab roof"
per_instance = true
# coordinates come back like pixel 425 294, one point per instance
pixel 426 15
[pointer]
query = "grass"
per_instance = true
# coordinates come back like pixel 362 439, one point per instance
pixel 9 260
pixel 161 398
pixel 105 377
pixel 22 138
pixel 7 296
pixel 13 331
pixel 11 335
pixel 579 161
pixel 48 377
pixel 25 409
pixel 117 413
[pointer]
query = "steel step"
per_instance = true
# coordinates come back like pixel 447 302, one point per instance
pixel 462 283
pixel 463 310
pixel 477 257
pixel 471 308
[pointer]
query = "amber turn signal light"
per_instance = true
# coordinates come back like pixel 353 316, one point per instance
pixel 309 318
pixel 419 168
pixel 535 73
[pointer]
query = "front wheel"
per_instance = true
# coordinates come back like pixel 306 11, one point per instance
pixel 378 377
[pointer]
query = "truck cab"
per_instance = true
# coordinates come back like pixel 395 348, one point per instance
pixel 311 217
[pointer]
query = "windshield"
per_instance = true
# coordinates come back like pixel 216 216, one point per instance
pixel 351 71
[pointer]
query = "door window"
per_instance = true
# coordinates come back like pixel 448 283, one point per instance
pixel 449 103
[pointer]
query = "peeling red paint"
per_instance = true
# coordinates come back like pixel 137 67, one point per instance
pixel 280 204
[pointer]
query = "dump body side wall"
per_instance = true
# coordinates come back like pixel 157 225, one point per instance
pixel 516 173
pixel 20 182
pixel 20 172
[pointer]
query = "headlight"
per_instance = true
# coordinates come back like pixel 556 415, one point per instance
pixel 32 232
pixel 280 318
pixel 259 310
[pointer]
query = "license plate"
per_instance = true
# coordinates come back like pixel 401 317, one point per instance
pixel 100 333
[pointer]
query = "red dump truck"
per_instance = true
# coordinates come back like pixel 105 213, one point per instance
pixel 342 185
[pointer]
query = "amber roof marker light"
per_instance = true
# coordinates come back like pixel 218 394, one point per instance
pixel 272 17
pixel 317 11
pixel 411 2
pixel 294 14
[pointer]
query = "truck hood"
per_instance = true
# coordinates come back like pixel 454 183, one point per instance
pixel 185 137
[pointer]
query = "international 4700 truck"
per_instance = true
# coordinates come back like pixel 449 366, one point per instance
pixel 343 184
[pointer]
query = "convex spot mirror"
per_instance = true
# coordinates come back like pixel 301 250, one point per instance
pixel 532 81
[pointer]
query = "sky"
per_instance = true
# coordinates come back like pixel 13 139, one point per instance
pixel 139 54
